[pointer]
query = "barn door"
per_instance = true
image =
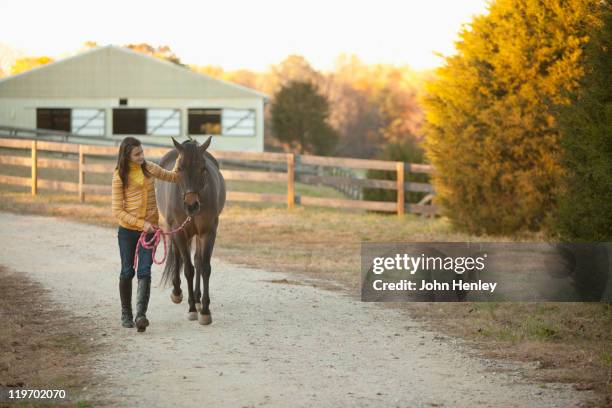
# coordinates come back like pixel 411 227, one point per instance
pixel 163 122
pixel 89 122
pixel 238 122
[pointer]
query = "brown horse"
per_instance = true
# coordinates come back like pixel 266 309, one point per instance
pixel 200 194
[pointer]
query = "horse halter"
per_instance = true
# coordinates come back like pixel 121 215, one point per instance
pixel 194 192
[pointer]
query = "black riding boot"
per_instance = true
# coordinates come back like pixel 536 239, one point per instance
pixel 125 292
pixel 142 301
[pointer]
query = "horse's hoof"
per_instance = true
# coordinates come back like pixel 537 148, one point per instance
pixel 204 319
pixel 176 299
pixel 141 323
pixel 198 306
pixel 192 316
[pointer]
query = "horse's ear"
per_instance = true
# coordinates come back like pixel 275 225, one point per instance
pixel 178 146
pixel 205 145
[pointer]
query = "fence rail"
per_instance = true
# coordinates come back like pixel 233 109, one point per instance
pixel 82 164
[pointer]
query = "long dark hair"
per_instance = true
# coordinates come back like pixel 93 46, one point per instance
pixel 123 159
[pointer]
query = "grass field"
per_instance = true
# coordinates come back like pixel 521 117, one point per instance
pixel 570 342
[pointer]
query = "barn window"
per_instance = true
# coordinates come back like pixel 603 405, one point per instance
pixel 204 121
pixel 129 121
pixel 89 122
pixel 53 119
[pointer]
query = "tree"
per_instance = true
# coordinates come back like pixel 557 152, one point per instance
pixel 369 105
pixel 490 133
pixel 356 119
pixel 161 51
pixel 292 68
pixel 400 113
pixel 89 45
pixel 244 77
pixel 372 105
pixel 585 203
pixel 27 63
pixel 214 71
pixel 299 117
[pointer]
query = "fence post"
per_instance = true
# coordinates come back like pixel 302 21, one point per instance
pixel 290 180
pixel 81 174
pixel 34 168
pixel 400 188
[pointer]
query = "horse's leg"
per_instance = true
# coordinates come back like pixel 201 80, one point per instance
pixel 205 316
pixel 185 249
pixel 176 258
pixel 198 271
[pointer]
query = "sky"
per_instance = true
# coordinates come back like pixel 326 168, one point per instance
pixel 246 34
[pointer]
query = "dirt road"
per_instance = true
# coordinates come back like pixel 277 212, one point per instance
pixel 271 344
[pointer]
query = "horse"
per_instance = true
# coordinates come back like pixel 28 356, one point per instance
pixel 199 193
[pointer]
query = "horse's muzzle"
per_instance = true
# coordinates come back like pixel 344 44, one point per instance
pixel 192 209
pixel 191 202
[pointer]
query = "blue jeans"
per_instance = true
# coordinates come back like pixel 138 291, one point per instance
pixel 128 239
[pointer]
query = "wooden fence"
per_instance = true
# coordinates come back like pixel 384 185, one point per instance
pixel 80 164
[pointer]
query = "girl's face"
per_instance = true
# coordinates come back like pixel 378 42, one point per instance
pixel 137 155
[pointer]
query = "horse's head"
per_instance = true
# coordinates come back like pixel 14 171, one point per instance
pixel 192 172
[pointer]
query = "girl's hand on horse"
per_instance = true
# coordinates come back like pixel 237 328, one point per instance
pixel 148 227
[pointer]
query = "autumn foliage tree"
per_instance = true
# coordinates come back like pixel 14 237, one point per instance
pixel 372 105
pixel 490 133
pixel 27 63
pixel 369 105
pixel 299 116
pixel 163 52
pixel 585 203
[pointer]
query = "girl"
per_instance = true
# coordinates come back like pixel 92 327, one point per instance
pixel 135 207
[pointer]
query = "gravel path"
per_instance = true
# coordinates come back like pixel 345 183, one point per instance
pixel 270 344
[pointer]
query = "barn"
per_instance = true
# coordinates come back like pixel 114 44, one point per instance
pixel 109 92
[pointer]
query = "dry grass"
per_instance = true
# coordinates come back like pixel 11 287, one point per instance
pixel 41 347
pixel 571 342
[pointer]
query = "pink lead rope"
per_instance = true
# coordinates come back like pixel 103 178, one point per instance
pixel 152 244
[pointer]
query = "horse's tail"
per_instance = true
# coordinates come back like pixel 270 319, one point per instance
pixel 173 266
